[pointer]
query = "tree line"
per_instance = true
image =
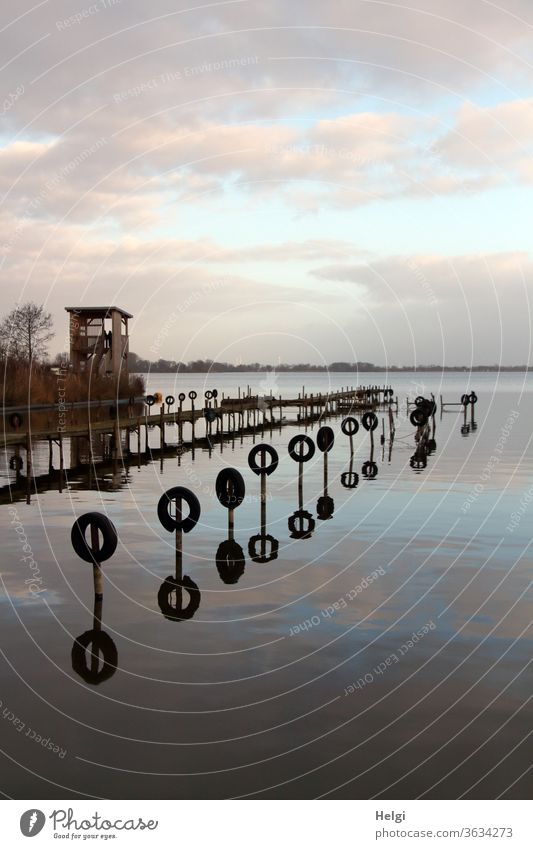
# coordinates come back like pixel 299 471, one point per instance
pixel 143 366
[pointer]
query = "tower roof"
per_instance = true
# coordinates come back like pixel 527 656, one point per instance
pixel 98 312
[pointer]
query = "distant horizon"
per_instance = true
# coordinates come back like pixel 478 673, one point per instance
pixel 208 366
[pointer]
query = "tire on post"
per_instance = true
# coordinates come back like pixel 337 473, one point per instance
pixel 79 542
pixel 169 522
pixel 369 421
pixel 230 488
pixel 253 463
pixel 325 439
pixel 300 441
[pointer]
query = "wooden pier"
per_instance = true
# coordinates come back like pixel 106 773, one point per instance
pixel 229 415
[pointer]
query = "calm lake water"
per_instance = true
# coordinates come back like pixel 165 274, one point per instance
pixel 387 654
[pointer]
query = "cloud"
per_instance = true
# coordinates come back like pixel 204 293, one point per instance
pixel 134 137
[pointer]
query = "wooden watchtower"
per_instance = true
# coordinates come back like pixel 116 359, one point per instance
pixel 99 340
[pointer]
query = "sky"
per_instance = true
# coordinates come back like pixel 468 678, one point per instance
pixel 254 181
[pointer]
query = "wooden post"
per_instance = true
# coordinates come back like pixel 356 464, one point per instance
pixel 162 426
pixel 97 569
pixel 61 462
pixel 118 451
pixel 179 554
pixel 28 468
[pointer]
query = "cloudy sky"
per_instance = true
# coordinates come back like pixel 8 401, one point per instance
pixel 264 181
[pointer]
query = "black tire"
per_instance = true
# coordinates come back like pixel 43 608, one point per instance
pixel 181 397
pixel 170 400
pixel 418 462
pixel 325 507
pixel 418 417
pixel 369 469
pixel 230 488
pixel 473 398
pixel 163 509
pixel 263 558
pixel 230 561
pixel 296 528
pixel 325 439
pixel 419 401
pixel 193 395
pixel 79 541
pixel 16 420
pixel 169 609
pixel 214 393
pixel 465 400
pixel 426 406
pixel 349 480
pixel 254 465
pixel 208 395
pixel 101 642
pixel 301 440
pixel 465 430
pixel 370 421
pixel 150 400
pixel 350 426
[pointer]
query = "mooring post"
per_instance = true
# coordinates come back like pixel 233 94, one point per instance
pixel 179 552
pixel 50 456
pixel 98 578
pixel 263 493
pixel 61 462
pixel 118 447
pixel 28 468
pixel 162 426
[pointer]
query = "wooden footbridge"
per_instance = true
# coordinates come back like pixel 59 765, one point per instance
pixel 227 416
pixel 122 423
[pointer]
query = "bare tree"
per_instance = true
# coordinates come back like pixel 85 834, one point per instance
pixel 26 331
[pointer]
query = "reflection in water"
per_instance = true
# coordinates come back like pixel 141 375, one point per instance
pixel 370 468
pixel 418 461
pixel 301 523
pixel 230 490
pixel 170 598
pixel 230 561
pixel 325 504
pixel 268 545
pixel 98 663
pixel 350 479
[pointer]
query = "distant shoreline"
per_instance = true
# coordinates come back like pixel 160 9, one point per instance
pixel 284 369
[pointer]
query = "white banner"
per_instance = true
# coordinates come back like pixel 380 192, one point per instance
pixel 262 824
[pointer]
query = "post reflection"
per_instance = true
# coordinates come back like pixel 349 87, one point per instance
pixel 94 654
